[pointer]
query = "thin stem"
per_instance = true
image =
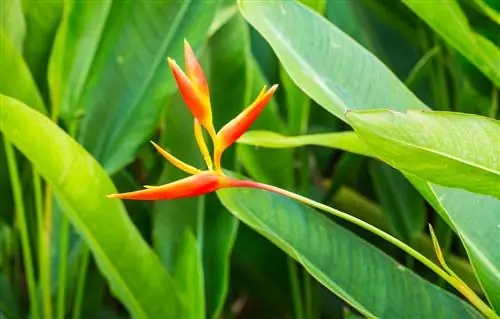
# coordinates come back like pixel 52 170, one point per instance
pixel 45 252
pixel 198 134
pixel 23 229
pixel 38 192
pixel 459 285
pixel 293 273
pixel 80 285
pixel 62 264
pixel 494 103
pixel 303 189
pixel 417 69
pixel 308 286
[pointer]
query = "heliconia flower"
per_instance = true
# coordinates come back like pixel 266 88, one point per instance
pixel 202 182
pixel 194 89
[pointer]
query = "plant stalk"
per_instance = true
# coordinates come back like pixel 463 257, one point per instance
pixel 23 228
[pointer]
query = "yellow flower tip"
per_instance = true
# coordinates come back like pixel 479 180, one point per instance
pixel 149 186
pixel 112 196
pixel 176 162
pixel 262 92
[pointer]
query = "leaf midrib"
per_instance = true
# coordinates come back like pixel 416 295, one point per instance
pixel 436 152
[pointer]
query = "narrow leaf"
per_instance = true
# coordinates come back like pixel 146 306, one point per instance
pixel 133 271
pixel 363 276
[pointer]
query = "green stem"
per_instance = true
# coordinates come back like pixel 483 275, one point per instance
pixel 308 293
pixel 293 272
pixel 63 251
pixel 460 286
pixel 80 285
pixel 417 70
pixel 45 252
pixel 494 103
pixel 62 263
pixel 23 229
pixel 38 192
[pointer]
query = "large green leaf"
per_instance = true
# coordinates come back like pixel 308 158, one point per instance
pixel 21 86
pixel 133 271
pixel 476 219
pixel 42 20
pixel 366 83
pixel 346 141
pixel 122 81
pixel 448 20
pixel 362 275
pixel 75 46
pixel 451 149
pixel 326 63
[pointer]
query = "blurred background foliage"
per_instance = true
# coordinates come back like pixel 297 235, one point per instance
pixel 98 69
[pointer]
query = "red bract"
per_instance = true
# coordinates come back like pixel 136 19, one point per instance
pixel 194 89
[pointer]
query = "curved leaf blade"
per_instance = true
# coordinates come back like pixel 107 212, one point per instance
pixel 362 275
pixel 451 149
pixel 133 271
pixel 461 208
pixel 305 43
pixel 346 141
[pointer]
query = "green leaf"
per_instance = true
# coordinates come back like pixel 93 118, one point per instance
pixel 446 17
pixel 133 271
pixel 317 5
pixel 363 276
pixel 42 20
pixel 488 11
pixel 9 305
pixel 188 275
pixel 346 141
pixel 21 86
pixel 323 61
pixel 12 23
pixel 124 85
pixel 297 104
pixel 369 86
pixel 75 47
pixel 451 149
pixel 402 205
pixel 476 219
